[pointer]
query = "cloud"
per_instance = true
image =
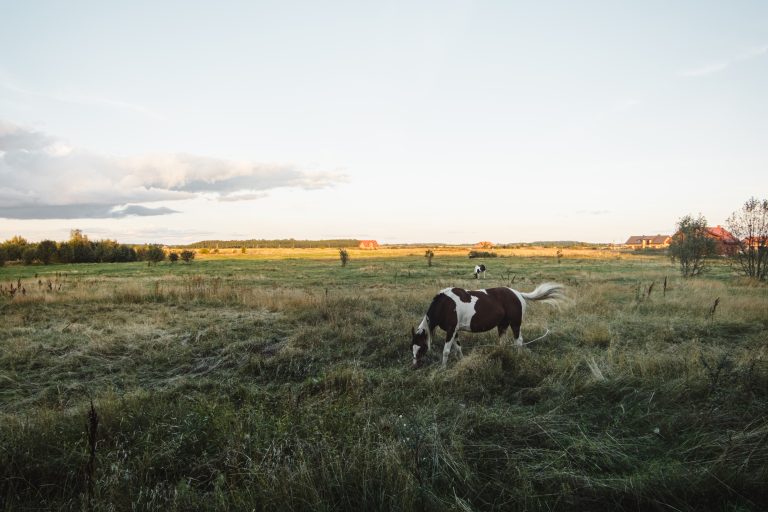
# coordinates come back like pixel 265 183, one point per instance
pixel 91 101
pixel 594 212
pixel 42 177
pixel 719 65
pixel 704 70
pixel 80 211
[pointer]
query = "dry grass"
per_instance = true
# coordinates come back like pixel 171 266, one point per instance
pixel 284 384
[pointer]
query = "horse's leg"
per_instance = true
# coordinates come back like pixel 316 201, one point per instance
pixel 449 336
pixel 458 346
pixel 518 335
pixel 502 328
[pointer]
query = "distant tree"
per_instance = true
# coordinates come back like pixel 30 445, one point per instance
pixel 429 255
pixel 750 226
pixel 46 251
pixel 482 254
pixel 14 247
pixel 691 245
pixel 125 253
pixel 81 248
pixel 344 257
pixel 242 250
pixel 173 257
pixel 3 256
pixel 151 253
pixel 187 255
pixel 29 254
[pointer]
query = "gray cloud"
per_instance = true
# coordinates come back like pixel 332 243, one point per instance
pixel 42 177
pixel 12 138
pixel 80 211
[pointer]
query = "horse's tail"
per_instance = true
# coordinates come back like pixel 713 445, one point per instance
pixel 549 293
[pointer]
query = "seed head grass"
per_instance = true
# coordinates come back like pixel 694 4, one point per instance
pixel 271 382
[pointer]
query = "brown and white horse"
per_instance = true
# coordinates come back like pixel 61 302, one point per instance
pixel 456 309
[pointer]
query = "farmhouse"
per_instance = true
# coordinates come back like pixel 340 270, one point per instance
pixel 648 242
pixel 725 242
pixel 368 244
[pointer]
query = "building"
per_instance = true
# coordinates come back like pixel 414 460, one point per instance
pixel 648 242
pixel 368 244
pixel 725 243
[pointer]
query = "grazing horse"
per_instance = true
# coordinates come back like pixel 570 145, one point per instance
pixel 456 309
pixel 479 269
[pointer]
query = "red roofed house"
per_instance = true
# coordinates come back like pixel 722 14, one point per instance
pixel 648 242
pixel 368 244
pixel 726 243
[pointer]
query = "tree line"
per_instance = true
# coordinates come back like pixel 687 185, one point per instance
pixel 80 249
pixel 285 243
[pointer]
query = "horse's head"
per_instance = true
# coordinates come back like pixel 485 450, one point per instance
pixel 419 345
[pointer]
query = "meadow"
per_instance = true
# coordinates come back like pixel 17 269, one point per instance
pixel 280 380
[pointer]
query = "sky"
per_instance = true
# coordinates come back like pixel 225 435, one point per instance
pixel 405 122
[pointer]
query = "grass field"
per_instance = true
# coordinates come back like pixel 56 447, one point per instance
pixel 278 380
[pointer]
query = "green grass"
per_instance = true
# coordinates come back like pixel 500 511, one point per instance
pixel 285 384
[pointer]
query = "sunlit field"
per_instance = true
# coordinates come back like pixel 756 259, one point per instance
pixel 280 380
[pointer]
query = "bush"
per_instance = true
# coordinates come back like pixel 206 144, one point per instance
pixel 482 254
pixel 151 253
pixel 429 255
pixel 344 257
pixel 187 255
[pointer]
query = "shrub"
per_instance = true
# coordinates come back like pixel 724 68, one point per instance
pixel 429 255
pixel 482 254
pixel 344 257
pixel 151 253
pixel 188 255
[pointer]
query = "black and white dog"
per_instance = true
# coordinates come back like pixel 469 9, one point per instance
pixel 479 269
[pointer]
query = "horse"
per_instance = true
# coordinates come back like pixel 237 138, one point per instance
pixel 456 309
pixel 479 269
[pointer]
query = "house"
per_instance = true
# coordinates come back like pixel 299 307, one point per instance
pixel 368 244
pixel 648 242
pixel 755 242
pixel 725 243
pixel 483 245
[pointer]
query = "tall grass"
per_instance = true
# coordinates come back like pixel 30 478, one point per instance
pixel 284 384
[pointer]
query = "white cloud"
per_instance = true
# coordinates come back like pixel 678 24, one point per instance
pixel 707 69
pixel 719 65
pixel 42 177
pixel 92 101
